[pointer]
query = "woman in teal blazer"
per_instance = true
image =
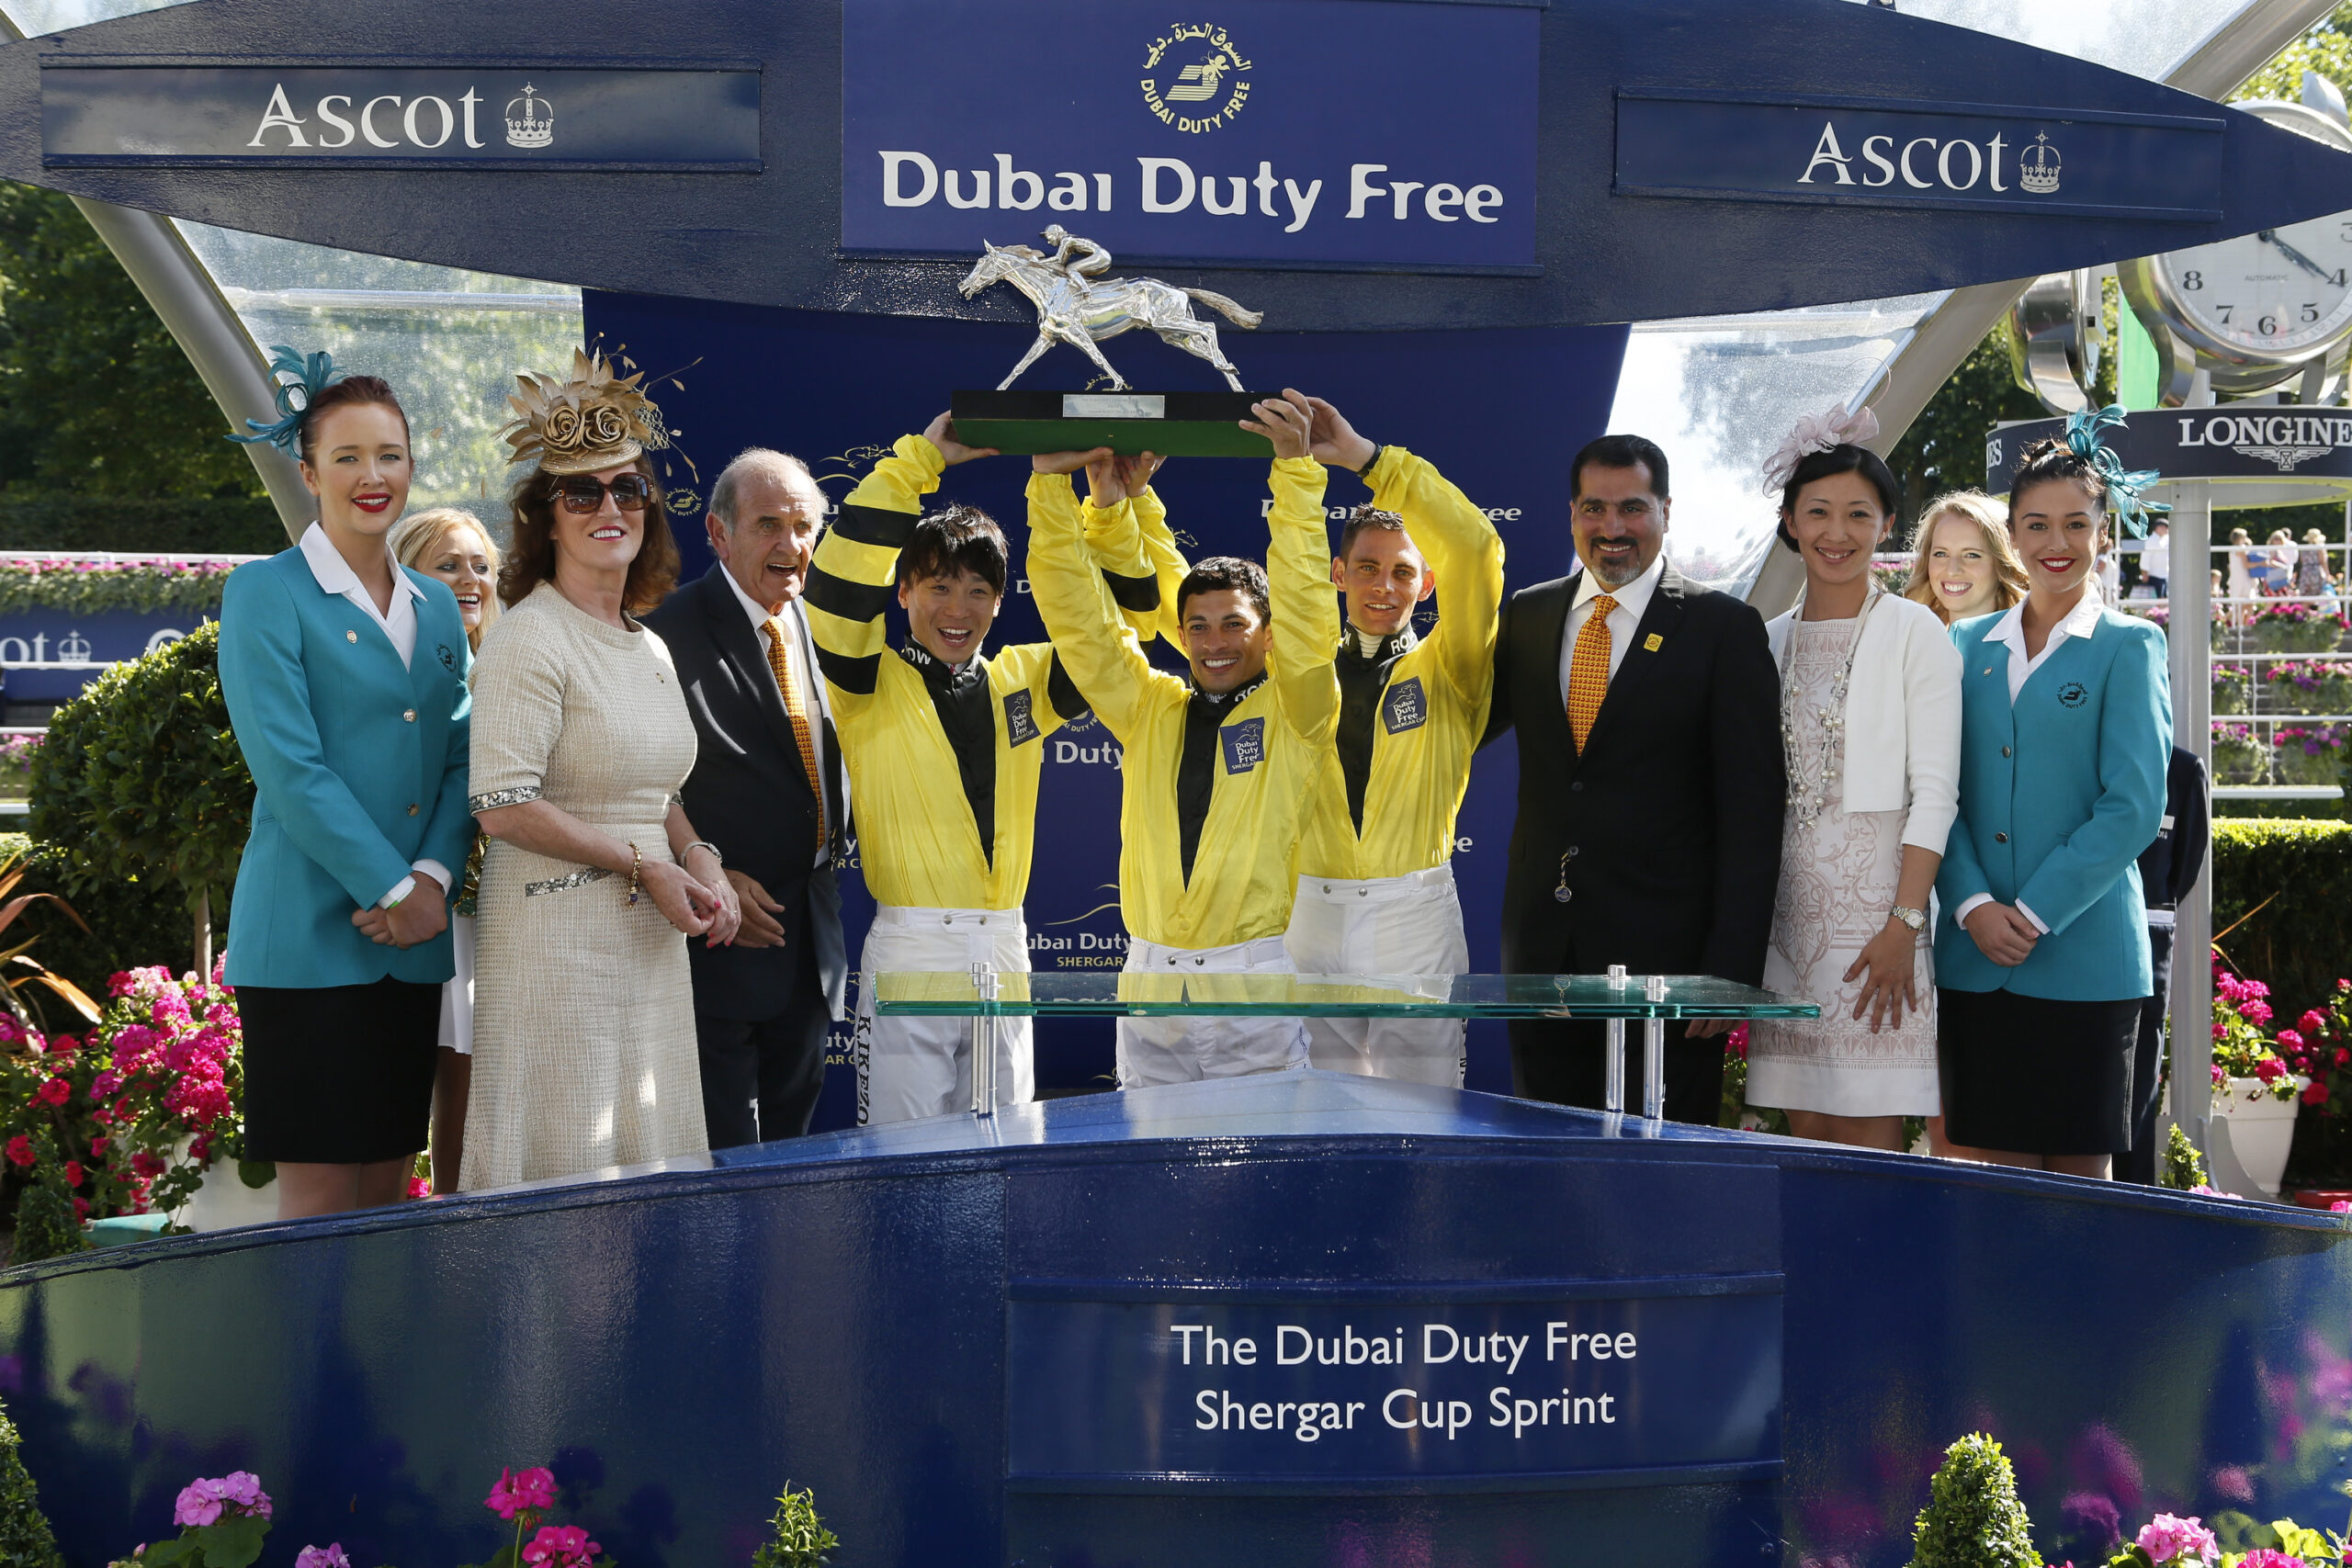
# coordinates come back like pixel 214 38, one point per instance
pixel 345 680
pixel 2042 950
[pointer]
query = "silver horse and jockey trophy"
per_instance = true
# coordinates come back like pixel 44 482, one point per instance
pixel 1079 306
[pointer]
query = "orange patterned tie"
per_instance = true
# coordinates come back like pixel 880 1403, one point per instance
pixel 1588 669
pixel 796 707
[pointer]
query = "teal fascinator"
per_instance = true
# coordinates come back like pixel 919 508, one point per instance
pixel 311 376
pixel 2124 486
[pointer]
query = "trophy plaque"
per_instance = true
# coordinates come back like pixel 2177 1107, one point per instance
pixel 1078 306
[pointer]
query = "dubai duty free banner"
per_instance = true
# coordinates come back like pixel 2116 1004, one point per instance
pixel 1279 132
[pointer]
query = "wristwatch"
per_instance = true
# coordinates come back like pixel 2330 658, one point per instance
pixel 1916 918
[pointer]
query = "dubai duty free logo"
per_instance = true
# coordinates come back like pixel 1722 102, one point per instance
pixel 1195 79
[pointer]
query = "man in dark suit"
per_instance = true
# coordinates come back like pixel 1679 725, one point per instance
pixel 2168 869
pixel 767 789
pixel 1650 781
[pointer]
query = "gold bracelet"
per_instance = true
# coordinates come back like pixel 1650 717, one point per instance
pixel 636 870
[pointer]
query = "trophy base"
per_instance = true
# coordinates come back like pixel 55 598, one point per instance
pixel 1173 424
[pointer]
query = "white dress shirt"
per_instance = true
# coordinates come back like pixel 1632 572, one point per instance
pixel 1631 601
pixel 333 575
pixel 798 651
pixel 2009 632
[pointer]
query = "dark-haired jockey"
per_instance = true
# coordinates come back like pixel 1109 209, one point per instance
pixel 1219 770
pixel 1375 886
pixel 948 865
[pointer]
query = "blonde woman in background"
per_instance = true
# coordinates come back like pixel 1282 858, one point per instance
pixel 453 547
pixel 2312 580
pixel 1966 564
pixel 2241 585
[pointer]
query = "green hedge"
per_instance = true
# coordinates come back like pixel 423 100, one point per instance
pixel 230 525
pixel 2289 881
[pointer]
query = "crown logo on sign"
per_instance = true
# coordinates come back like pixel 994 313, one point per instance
pixel 535 125
pixel 74 650
pixel 2038 170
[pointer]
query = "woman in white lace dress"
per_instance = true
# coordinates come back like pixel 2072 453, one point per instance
pixel 1869 718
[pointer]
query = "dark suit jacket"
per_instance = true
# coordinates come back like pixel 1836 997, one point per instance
pixel 2170 866
pixel 749 795
pixel 1670 820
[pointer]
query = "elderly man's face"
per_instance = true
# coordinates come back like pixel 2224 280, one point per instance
pixel 777 514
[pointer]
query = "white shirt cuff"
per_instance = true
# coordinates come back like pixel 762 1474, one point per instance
pixel 1969 906
pixel 407 885
pixel 2039 923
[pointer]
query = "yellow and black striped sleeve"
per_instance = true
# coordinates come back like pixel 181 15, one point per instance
pixel 1305 604
pixel 1141 563
pixel 1460 543
pixel 1090 641
pixel 854 575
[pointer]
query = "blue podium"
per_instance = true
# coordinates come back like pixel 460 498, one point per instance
pixel 1299 1319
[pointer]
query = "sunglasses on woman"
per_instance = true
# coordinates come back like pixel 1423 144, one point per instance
pixel 584 494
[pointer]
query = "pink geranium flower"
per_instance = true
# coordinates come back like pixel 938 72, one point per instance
pixel 2264 1557
pixel 2316 1092
pixel 20 1150
pixel 564 1546
pixel 533 1489
pixel 328 1556
pixel 2170 1539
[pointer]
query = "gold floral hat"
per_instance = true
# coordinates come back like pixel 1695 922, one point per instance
pixel 596 419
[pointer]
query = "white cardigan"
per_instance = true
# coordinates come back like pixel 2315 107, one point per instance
pixel 1901 718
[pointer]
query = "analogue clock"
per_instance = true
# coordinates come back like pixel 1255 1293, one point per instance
pixel 2255 310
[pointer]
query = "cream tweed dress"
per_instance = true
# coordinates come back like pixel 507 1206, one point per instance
pixel 584 1007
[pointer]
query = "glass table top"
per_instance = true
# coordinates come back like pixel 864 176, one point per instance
pixel 1113 993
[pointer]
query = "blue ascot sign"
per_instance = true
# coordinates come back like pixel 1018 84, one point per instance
pixel 301 116
pixel 1955 157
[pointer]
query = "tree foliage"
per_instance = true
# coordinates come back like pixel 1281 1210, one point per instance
pixel 1974 1519
pixel 2326 49
pixel 1944 448
pixel 141 777
pixel 96 397
pixel 25 1537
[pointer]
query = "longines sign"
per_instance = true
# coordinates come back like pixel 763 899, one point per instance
pixel 1742 146
pixel 1285 132
pixel 489 118
pixel 2246 441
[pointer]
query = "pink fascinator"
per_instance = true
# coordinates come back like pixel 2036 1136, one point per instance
pixel 1817 433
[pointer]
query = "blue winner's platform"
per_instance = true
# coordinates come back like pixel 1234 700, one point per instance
pixel 1295 1319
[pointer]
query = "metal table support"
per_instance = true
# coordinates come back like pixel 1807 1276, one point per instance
pixel 1654 1053
pixel 984 1042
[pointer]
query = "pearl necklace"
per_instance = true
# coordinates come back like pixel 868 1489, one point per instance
pixel 1805 808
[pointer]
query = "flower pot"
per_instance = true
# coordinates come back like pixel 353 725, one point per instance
pixel 224 1202
pixel 2291 764
pixel 2239 762
pixel 2290 697
pixel 2317 635
pixel 2262 1127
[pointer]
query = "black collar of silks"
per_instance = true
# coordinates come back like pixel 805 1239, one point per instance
pixel 938 673
pixel 1232 698
pixel 1352 644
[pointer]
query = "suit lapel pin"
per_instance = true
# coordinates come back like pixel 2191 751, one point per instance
pixel 1653 642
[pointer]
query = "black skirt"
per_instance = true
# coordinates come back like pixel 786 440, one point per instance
pixel 339 1075
pixel 2026 1074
